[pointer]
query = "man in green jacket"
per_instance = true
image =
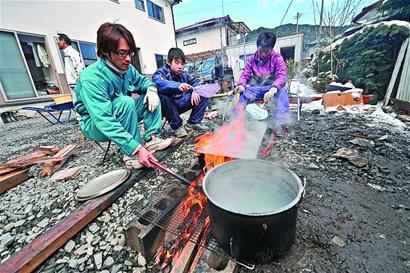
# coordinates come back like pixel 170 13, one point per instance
pixel 103 102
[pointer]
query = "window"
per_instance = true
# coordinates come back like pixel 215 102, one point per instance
pixel 139 4
pixel 89 53
pixel 189 42
pixel 15 81
pixel 160 60
pixel 155 11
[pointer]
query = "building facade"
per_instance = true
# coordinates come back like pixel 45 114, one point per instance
pixel 209 35
pixel 31 62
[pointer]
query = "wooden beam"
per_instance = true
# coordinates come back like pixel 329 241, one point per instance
pixel 12 179
pixel 35 253
pixel 395 73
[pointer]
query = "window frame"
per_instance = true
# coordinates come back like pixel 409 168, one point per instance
pixel 161 20
pixel 143 5
pixel 164 59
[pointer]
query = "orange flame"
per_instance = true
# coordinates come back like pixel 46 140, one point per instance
pixel 228 139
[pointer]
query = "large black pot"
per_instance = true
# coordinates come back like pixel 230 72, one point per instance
pixel 253 208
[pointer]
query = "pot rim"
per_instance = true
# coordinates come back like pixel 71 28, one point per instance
pixel 276 211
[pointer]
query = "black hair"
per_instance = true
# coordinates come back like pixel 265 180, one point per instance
pixel 174 54
pixel 109 34
pixel 266 40
pixel 65 38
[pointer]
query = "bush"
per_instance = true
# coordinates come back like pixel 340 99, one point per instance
pixel 368 58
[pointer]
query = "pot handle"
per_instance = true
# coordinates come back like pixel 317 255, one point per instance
pixel 303 191
pixel 206 165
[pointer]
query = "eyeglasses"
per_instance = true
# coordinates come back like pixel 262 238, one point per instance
pixel 124 53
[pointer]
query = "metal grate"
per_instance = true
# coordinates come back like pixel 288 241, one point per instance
pixel 171 221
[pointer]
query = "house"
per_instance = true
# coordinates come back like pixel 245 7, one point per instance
pixel 31 62
pixel 210 35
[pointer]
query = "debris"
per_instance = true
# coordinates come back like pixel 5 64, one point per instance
pixel 66 174
pixel 338 241
pixel 384 137
pixel 376 187
pixel 63 155
pixel 351 155
pixel 362 142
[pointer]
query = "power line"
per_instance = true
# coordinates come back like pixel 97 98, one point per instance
pixel 281 21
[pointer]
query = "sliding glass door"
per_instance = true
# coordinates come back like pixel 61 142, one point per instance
pixel 15 81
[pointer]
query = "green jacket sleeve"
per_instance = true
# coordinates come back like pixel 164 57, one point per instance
pixel 100 108
pixel 139 83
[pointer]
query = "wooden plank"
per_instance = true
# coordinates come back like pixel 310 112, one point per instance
pixel 185 258
pixel 7 170
pixel 67 173
pixel 35 253
pixel 396 70
pixel 10 180
pixel 51 167
pixel 403 91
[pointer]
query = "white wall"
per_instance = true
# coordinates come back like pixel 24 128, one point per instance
pixel 81 19
pixel 208 39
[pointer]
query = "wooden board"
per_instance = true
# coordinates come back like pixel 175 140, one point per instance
pixel 395 73
pixel 35 253
pixel 342 98
pixel 12 179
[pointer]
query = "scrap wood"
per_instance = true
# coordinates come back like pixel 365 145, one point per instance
pixel 51 167
pixel 29 162
pixel 24 160
pixel 50 150
pixel 32 255
pixel 67 173
pixel 9 180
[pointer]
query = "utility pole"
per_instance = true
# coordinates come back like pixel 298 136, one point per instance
pixel 222 23
pixel 298 15
pixel 320 22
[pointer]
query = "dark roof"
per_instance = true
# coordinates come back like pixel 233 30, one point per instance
pixel 365 10
pixel 219 21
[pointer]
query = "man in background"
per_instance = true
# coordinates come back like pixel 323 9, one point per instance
pixel 72 62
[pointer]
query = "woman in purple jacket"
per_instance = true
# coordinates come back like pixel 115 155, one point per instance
pixel 264 77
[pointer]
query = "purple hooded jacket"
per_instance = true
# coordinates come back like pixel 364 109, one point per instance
pixel 269 72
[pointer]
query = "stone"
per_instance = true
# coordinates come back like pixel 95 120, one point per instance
pixel 19 223
pixel 93 228
pixel 73 263
pixel 98 260
pixel 338 241
pixel 8 226
pixel 115 268
pixel 43 223
pixel 69 246
pixel 6 240
pixel 109 261
pixel 141 260
pixel 118 248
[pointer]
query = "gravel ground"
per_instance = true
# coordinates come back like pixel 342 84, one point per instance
pixel 351 219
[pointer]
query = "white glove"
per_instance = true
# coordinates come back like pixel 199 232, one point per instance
pixel 152 98
pixel 238 89
pixel 270 94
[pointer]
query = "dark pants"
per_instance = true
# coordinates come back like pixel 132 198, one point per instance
pixel 172 108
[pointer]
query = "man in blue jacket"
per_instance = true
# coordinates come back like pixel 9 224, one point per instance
pixel 177 94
